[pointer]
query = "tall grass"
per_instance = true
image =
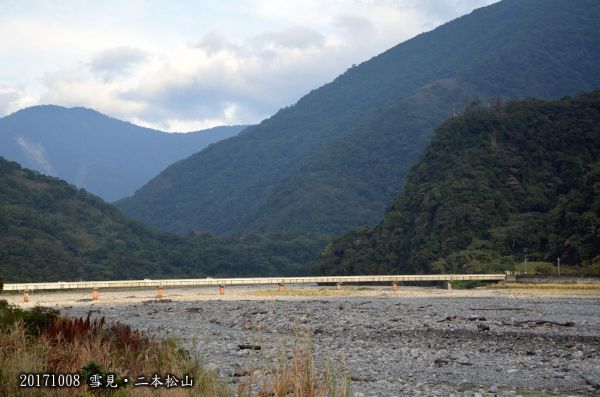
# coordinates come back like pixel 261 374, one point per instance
pixel 64 345
pixel 299 376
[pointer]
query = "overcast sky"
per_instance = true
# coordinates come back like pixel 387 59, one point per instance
pixel 189 65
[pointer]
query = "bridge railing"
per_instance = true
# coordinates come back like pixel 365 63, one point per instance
pixel 249 281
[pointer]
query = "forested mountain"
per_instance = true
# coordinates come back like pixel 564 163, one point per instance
pixel 50 231
pixel 108 157
pixel 336 158
pixel 494 185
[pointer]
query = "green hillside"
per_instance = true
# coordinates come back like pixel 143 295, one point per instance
pixel 493 185
pixel 339 156
pixel 50 231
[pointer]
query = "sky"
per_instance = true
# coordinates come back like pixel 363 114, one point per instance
pixel 189 65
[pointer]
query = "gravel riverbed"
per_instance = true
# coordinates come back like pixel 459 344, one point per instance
pixel 415 341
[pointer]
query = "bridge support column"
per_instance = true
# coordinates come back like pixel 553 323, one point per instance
pixel 95 294
pixel 449 285
pixel 394 286
pixel 338 285
pixel 221 289
pixel 26 296
pixel 159 292
pixel 280 288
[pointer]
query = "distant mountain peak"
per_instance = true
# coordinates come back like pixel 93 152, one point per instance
pixel 107 156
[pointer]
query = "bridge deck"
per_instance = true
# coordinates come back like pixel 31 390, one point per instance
pixel 249 281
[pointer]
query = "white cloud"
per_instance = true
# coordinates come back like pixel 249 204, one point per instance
pixel 298 37
pixel 13 99
pixel 247 60
pixel 215 42
pixel 229 116
pixel 81 88
pixel 116 61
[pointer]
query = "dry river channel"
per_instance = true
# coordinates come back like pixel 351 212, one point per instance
pixel 414 341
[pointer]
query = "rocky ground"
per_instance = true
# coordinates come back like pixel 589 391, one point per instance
pixel 416 341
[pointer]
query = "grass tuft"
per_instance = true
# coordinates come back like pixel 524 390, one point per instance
pixel 40 341
pixel 298 376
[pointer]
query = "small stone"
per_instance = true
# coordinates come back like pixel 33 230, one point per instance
pixel 212 367
pixel 239 371
pixel 357 378
pixel 592 380
pixel 441 361
pixel 258 373
pixel 463 387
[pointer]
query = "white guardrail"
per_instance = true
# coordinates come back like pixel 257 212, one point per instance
pixel 248 281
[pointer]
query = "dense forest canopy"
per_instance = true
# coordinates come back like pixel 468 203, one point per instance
pixel 494 185
pixel 50 231
pixel 338 157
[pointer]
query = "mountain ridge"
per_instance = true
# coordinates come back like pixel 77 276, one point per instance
pixel 258 181
pixel 107 156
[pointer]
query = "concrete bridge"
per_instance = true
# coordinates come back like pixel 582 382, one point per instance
pixel 222 282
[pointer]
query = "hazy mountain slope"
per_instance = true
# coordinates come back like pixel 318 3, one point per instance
pixel 352 180
pixel 494 185
pixel 106 156
pixel 325 164
pixel 50 231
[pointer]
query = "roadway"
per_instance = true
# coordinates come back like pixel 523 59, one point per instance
pixel 38 286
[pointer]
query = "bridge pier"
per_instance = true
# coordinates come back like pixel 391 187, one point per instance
pixel 394 286
pixel 26 296
pixel 159 292
pixel 329 280
pixel 280 288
